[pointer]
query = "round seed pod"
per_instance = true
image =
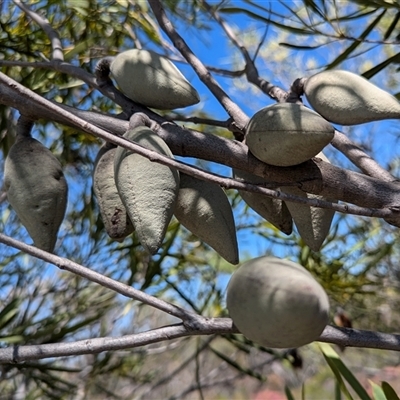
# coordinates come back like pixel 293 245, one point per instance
pixel 287 134
pixel 349 99
pixel 312 223
pixel 277 303
pixel 273 210
pixel 113 213
pixel 152 80
pixel 203 208
pixel 36 189
pixel 147 189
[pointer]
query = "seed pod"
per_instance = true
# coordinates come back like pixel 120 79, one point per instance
pixel 152 80
pixel 313 223
pixel 273 210
pixel 287 134
pixel 113 212
pixel 147 189
pixel 204 209
pixel 36 189
pixel 277 303
pixel 349 99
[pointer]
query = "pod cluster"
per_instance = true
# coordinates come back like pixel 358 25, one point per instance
pixel 135 193
pixel 283 135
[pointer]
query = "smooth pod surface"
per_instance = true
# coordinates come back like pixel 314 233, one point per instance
pixel 36 189
pixel 345 98
pixel 113 212
pixel 287 134
pixel 147 189
pixel 313 223
pixel 203 208
pixel 152 80
pixel 277 303
pixel 273 210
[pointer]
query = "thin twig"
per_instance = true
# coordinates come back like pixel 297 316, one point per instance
pixel 102 280
pixel 57 49
pixel 231 108
pixel 252 75
pixel 199 120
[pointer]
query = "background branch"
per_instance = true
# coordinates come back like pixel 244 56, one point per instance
pixel 92 275
pixel 240 118
pixel 251 71
pixel 56 46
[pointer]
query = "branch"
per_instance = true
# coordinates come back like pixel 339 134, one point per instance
pixel 318 177
pixel 193 324
pixel 231 108
pixel 205 326
pixel 252 75
pixel 125 290
pixel 57 50
pixel 359 158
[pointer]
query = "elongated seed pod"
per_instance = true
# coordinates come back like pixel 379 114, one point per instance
pixel 36 189
pixel 312 223
pixel 203 208
pixel 113 213
pixel 277 303
pixel 273 210
pixel 349 99
pixel 287 134
pixel 147 189
pixel 152 80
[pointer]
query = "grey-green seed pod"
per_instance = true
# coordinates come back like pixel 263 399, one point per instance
pixel 204 209
pixel 36 189
pixel 277 303
pixel 152 80
pixel 312 223
pixel 147 189
pixel 273 210
pixel 287 134
pixel 113 213
pixel 349 99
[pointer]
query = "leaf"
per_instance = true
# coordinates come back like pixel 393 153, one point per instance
pixel 311 4
pixel 9 312
pixel 339 368
pixel 339 381
pixel 373 71
pixel 377 392
pixel 12 339
pixel 238 10
pixel 298 47
pixel 288 393
pixel 392 26
pixel 356 43
pixel 79 48
pixel 389 392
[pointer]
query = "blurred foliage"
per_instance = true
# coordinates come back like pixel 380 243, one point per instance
pixel 358 265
